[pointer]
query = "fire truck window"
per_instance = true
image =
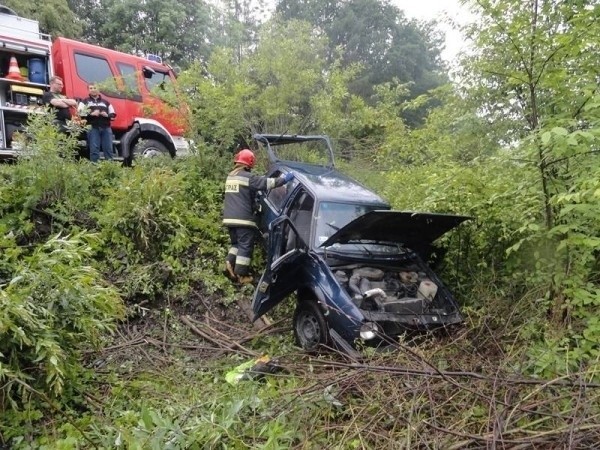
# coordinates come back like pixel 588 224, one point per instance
pixel 148 72
pixel 157 80
pixel 93 69
pixel 129 77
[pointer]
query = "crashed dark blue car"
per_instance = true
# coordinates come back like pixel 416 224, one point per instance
pixel 358 268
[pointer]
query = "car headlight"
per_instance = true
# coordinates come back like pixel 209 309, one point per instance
pixel 369 330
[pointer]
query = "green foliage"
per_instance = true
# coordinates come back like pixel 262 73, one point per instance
pixel 55 16
pixel 198 411
pixel 41 191
pixel 158 225
pixel 179 31
pixel 269 90
pixel 158 231
pixel 346 116
pixel 54 305
pixel 284 85
pixel 218 105
pixel 531 117
pixel 145 215
pixel 376 37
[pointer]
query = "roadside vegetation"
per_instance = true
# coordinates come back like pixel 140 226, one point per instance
pixel 118 329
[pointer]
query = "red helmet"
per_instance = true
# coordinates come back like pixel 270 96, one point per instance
pixel 246 157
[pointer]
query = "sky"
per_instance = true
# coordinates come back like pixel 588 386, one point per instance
pixel 428 9
pixel 440 10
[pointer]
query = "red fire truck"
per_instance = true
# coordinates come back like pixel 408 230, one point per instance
pixel 145 125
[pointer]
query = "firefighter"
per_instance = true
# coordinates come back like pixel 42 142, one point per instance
pixel 239 215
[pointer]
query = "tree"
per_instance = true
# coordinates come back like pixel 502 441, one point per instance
pixel 283 85
pixel 269 90
pixel 377 36
pixel 534 70
pixel 177 30
pixel 55 16
pixel 241 22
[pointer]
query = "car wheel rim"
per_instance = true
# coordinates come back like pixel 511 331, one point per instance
pixel 309 330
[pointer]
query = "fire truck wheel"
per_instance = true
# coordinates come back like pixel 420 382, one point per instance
pixel 149 148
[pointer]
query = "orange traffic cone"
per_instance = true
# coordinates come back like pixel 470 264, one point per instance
pixel 13 70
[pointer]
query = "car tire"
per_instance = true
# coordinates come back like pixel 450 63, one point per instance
pixel 310 327
pixel 150 148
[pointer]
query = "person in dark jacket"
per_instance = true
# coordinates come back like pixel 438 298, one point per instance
pixel 98 114
pixel 60 105
pixel 239 215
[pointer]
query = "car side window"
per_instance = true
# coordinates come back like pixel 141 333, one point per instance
pixel 276 196
pixel 301 214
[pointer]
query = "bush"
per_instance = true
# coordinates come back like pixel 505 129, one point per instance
pixel 161 226
pixel 55 305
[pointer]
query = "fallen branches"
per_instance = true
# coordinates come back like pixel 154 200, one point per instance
pixel 219 339
pixel 431 395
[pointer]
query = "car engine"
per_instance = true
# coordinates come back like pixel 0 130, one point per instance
pixel 406 290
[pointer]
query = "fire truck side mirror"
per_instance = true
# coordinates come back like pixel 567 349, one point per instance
pixel 148 72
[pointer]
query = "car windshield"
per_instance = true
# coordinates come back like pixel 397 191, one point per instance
pixel 334 216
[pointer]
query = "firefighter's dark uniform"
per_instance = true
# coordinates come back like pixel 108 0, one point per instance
pixel 239 216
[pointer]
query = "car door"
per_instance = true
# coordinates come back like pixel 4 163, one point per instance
pixel 283 272
pixel 271 202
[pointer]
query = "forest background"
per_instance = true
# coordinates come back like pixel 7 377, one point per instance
pixel 92 256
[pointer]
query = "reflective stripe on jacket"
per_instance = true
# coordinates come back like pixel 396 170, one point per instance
pixel 240 189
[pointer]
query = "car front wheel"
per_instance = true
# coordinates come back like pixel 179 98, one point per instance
pixel 310 327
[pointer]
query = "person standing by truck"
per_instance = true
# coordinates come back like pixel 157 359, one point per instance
pixel 60 104
pixel 98 114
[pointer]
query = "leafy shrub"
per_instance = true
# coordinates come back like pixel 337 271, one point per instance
pixel 54 305
pixel 43 192
pixel 158 225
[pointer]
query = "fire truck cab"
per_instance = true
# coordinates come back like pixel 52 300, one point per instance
pixel 145 125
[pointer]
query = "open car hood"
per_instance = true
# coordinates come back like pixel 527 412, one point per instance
pixel 408 228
